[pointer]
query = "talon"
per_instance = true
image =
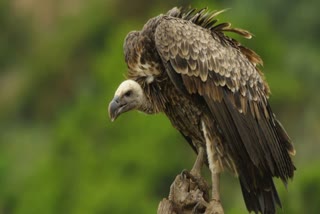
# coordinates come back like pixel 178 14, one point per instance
pixel 200 207
pixel 184 173
pixel 196 182
pixel 194 177
pixel 214 207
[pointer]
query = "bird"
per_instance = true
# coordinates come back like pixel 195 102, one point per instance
pixel 211 88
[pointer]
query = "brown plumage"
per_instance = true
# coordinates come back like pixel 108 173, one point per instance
pixel 210 88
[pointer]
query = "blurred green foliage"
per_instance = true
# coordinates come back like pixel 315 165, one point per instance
pixel 60 64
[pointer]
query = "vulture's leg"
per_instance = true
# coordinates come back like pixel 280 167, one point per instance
pixel 214 206
pixel 216 186
pixel 196 169
pixel 195 172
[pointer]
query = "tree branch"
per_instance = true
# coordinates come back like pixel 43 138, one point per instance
pixel 188 194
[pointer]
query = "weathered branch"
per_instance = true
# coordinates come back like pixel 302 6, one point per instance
pixel 187 195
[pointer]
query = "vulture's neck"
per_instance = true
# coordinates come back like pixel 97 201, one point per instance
pixel 155 100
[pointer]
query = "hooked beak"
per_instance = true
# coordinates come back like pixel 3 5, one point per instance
pixel 118 106
pixel 115 108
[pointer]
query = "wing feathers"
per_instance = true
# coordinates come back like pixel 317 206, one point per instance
pixel 184 49
pixel 203 57
pixel 193 65
pixel 180 64
pixel 225 76
pixel 223 73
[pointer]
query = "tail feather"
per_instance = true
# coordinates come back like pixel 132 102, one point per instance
pixel 284 137
pixel 260 197
pixel 258 189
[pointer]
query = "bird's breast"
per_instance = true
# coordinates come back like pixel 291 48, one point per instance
pixel 185 115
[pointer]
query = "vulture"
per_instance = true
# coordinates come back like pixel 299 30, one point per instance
pixel 210 87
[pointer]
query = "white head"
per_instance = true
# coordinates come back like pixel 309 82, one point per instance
pixel 128 96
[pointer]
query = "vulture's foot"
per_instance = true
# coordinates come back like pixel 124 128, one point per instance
pixel 214 207
pixel 196 182
pixel 189 193
pixel 196 169
pixel 200 207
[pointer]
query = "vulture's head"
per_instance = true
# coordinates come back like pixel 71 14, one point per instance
pixel 128 96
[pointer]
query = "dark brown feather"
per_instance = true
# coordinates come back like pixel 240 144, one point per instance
pixel 231 88
pixel 200 74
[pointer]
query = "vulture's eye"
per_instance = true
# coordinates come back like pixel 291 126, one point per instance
pixel 128 93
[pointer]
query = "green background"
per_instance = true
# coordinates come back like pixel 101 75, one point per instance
pixel 60 63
